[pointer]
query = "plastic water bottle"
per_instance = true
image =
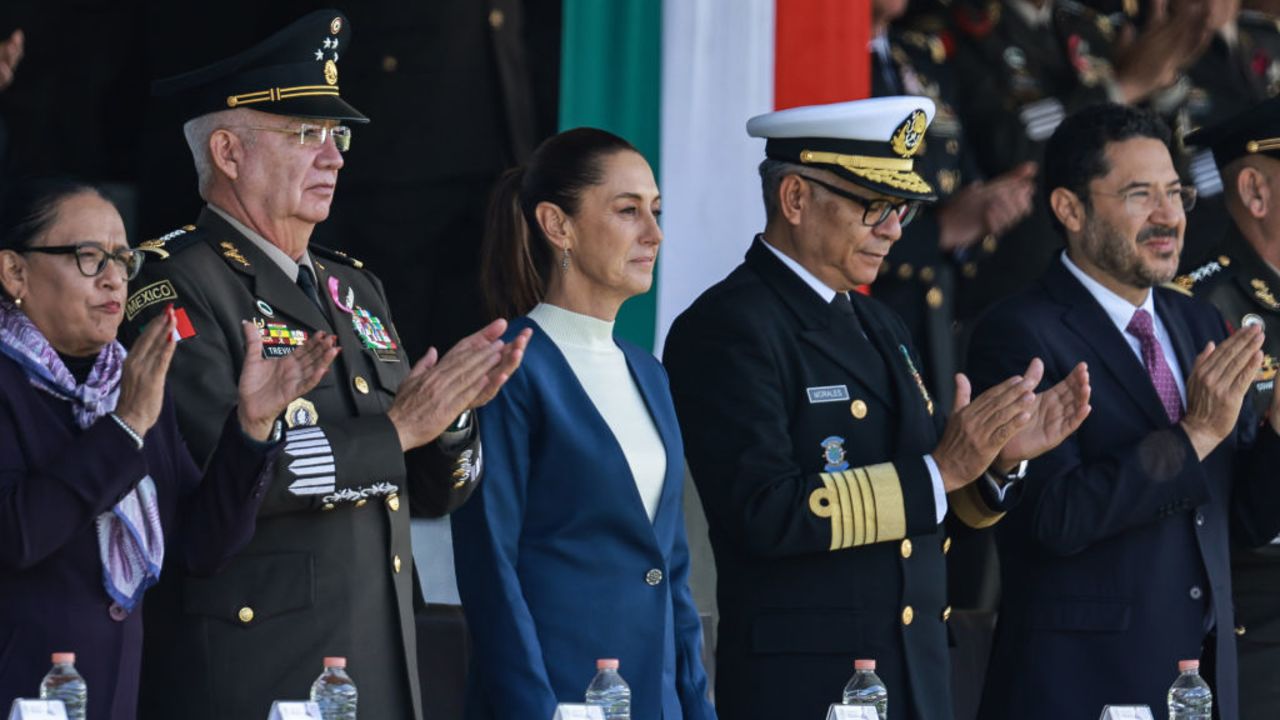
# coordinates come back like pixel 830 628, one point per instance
pixel 65 684
pixel 334 692
pixel 867 689
pixel 609 691
pixel 1190 697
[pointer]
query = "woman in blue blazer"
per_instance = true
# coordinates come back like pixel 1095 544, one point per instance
pixel 573 548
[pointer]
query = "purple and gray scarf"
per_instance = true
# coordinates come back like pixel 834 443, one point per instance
pixel 130 539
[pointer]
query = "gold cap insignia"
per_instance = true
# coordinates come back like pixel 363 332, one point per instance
pixel 331 72
pixel 908 139
pixel 335 26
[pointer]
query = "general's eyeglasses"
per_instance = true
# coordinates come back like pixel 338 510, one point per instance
pixel 875 211
pixel 314 134
pixel 1142 201
pixel 92 258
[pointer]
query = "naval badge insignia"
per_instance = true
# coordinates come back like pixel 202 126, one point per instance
pixel 908 139
pixel 833 454
pixel 915 374
pixel 301 413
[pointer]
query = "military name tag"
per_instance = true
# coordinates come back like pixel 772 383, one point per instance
pixel 827 393
pixel 852 712
pixel 37 710
pixel 279 339
pixel 286 709
pixel 567 711
pixel 1126 712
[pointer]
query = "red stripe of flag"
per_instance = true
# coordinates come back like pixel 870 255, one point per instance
pixel 821 51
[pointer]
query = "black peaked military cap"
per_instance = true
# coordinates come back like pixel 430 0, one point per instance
pixel 294 72
pixel 1254 131
pixel 872 143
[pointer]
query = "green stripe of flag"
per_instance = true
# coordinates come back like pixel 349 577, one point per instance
pixel 610 78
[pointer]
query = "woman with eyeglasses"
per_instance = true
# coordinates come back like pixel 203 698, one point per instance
pixel 96 485
pixel 573 547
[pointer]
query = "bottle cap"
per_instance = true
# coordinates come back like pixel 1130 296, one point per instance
pixel 1185 665
pixel 864 664
pixel 60 658
pixel 335 662
pixel 607 664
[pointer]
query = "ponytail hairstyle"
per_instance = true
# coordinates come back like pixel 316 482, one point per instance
pixel 516 258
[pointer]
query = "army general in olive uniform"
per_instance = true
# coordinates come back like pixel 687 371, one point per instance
pixel 330 568
pixel 1242 278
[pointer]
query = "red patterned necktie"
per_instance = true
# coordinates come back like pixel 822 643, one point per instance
pixel 1143 328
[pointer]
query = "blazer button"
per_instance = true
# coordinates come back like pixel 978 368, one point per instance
pixel 117 612
pixel 395 563
pixel 908 615
pixel 393 502
pixel 245 614
pixel 905 549
pixel 1199 519
pixel 946 545
pixel 653 577
pixel 361 385
pixel 1196 593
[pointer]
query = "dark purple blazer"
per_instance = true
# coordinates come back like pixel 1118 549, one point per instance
pixel 55 479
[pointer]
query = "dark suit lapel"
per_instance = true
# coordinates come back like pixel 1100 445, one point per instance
pixel 267 281
pixel 911 399
pixel 1086 318
pixel 1184 346
pixel 822 324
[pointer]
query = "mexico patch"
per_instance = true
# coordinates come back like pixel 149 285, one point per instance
pixel 156 292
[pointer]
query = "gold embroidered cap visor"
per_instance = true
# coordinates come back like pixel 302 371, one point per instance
pixel 294 72
pixel 873 143
pixel 1254 131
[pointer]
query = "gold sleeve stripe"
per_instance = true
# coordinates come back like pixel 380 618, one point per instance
pixel 968 505
pixel 864 505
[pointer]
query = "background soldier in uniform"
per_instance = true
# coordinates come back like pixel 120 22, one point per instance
pixel 1242 281
pixel 822 460
pixel 329 570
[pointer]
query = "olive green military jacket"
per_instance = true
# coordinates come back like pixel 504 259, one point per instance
pixel 330 568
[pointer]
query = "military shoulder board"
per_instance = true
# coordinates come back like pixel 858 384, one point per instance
pixel 336 256
pixel 170 242
pixel 1185 284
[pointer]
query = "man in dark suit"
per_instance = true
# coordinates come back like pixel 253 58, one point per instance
pixel 1115 562
pixel 822 461
pixel 329 570
pixel 1242 281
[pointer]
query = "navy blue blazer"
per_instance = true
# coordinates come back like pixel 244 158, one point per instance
pixel 557 561
pixel 1115 563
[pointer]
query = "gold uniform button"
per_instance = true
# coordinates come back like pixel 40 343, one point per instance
pixel 908 615
pixel 1240 630
pixel 393 502
pixel 390 63
pixel 989 243
pixel 245 614
pixel 395 563
pixel 327 507
pixel 946 545
pixel 361 385
pixel 933 298
pixel 970 270
pixel 946 613
pixel 927 274
pixel 905 270
pixel 497 19
pixel 858 409
pixel 905 549
pixel 361 502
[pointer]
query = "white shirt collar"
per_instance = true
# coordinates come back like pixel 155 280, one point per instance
pixel 1117 308
pixel 278 256
pixel 824 292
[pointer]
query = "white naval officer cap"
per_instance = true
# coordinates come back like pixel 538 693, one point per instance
pixel 872 143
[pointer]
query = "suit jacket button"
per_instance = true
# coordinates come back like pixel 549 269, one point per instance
pixel 117 612
pixel 245 614
pixel 1196 593
pixel 653 577
pixel 393 502
pixel 395 563
pixel 908 615
pixel 905 549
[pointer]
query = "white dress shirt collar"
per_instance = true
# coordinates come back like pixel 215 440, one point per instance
pixel 1117 308
pixel 824 292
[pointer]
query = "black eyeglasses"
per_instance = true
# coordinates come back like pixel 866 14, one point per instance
pixel 91 258
pixel 874 211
